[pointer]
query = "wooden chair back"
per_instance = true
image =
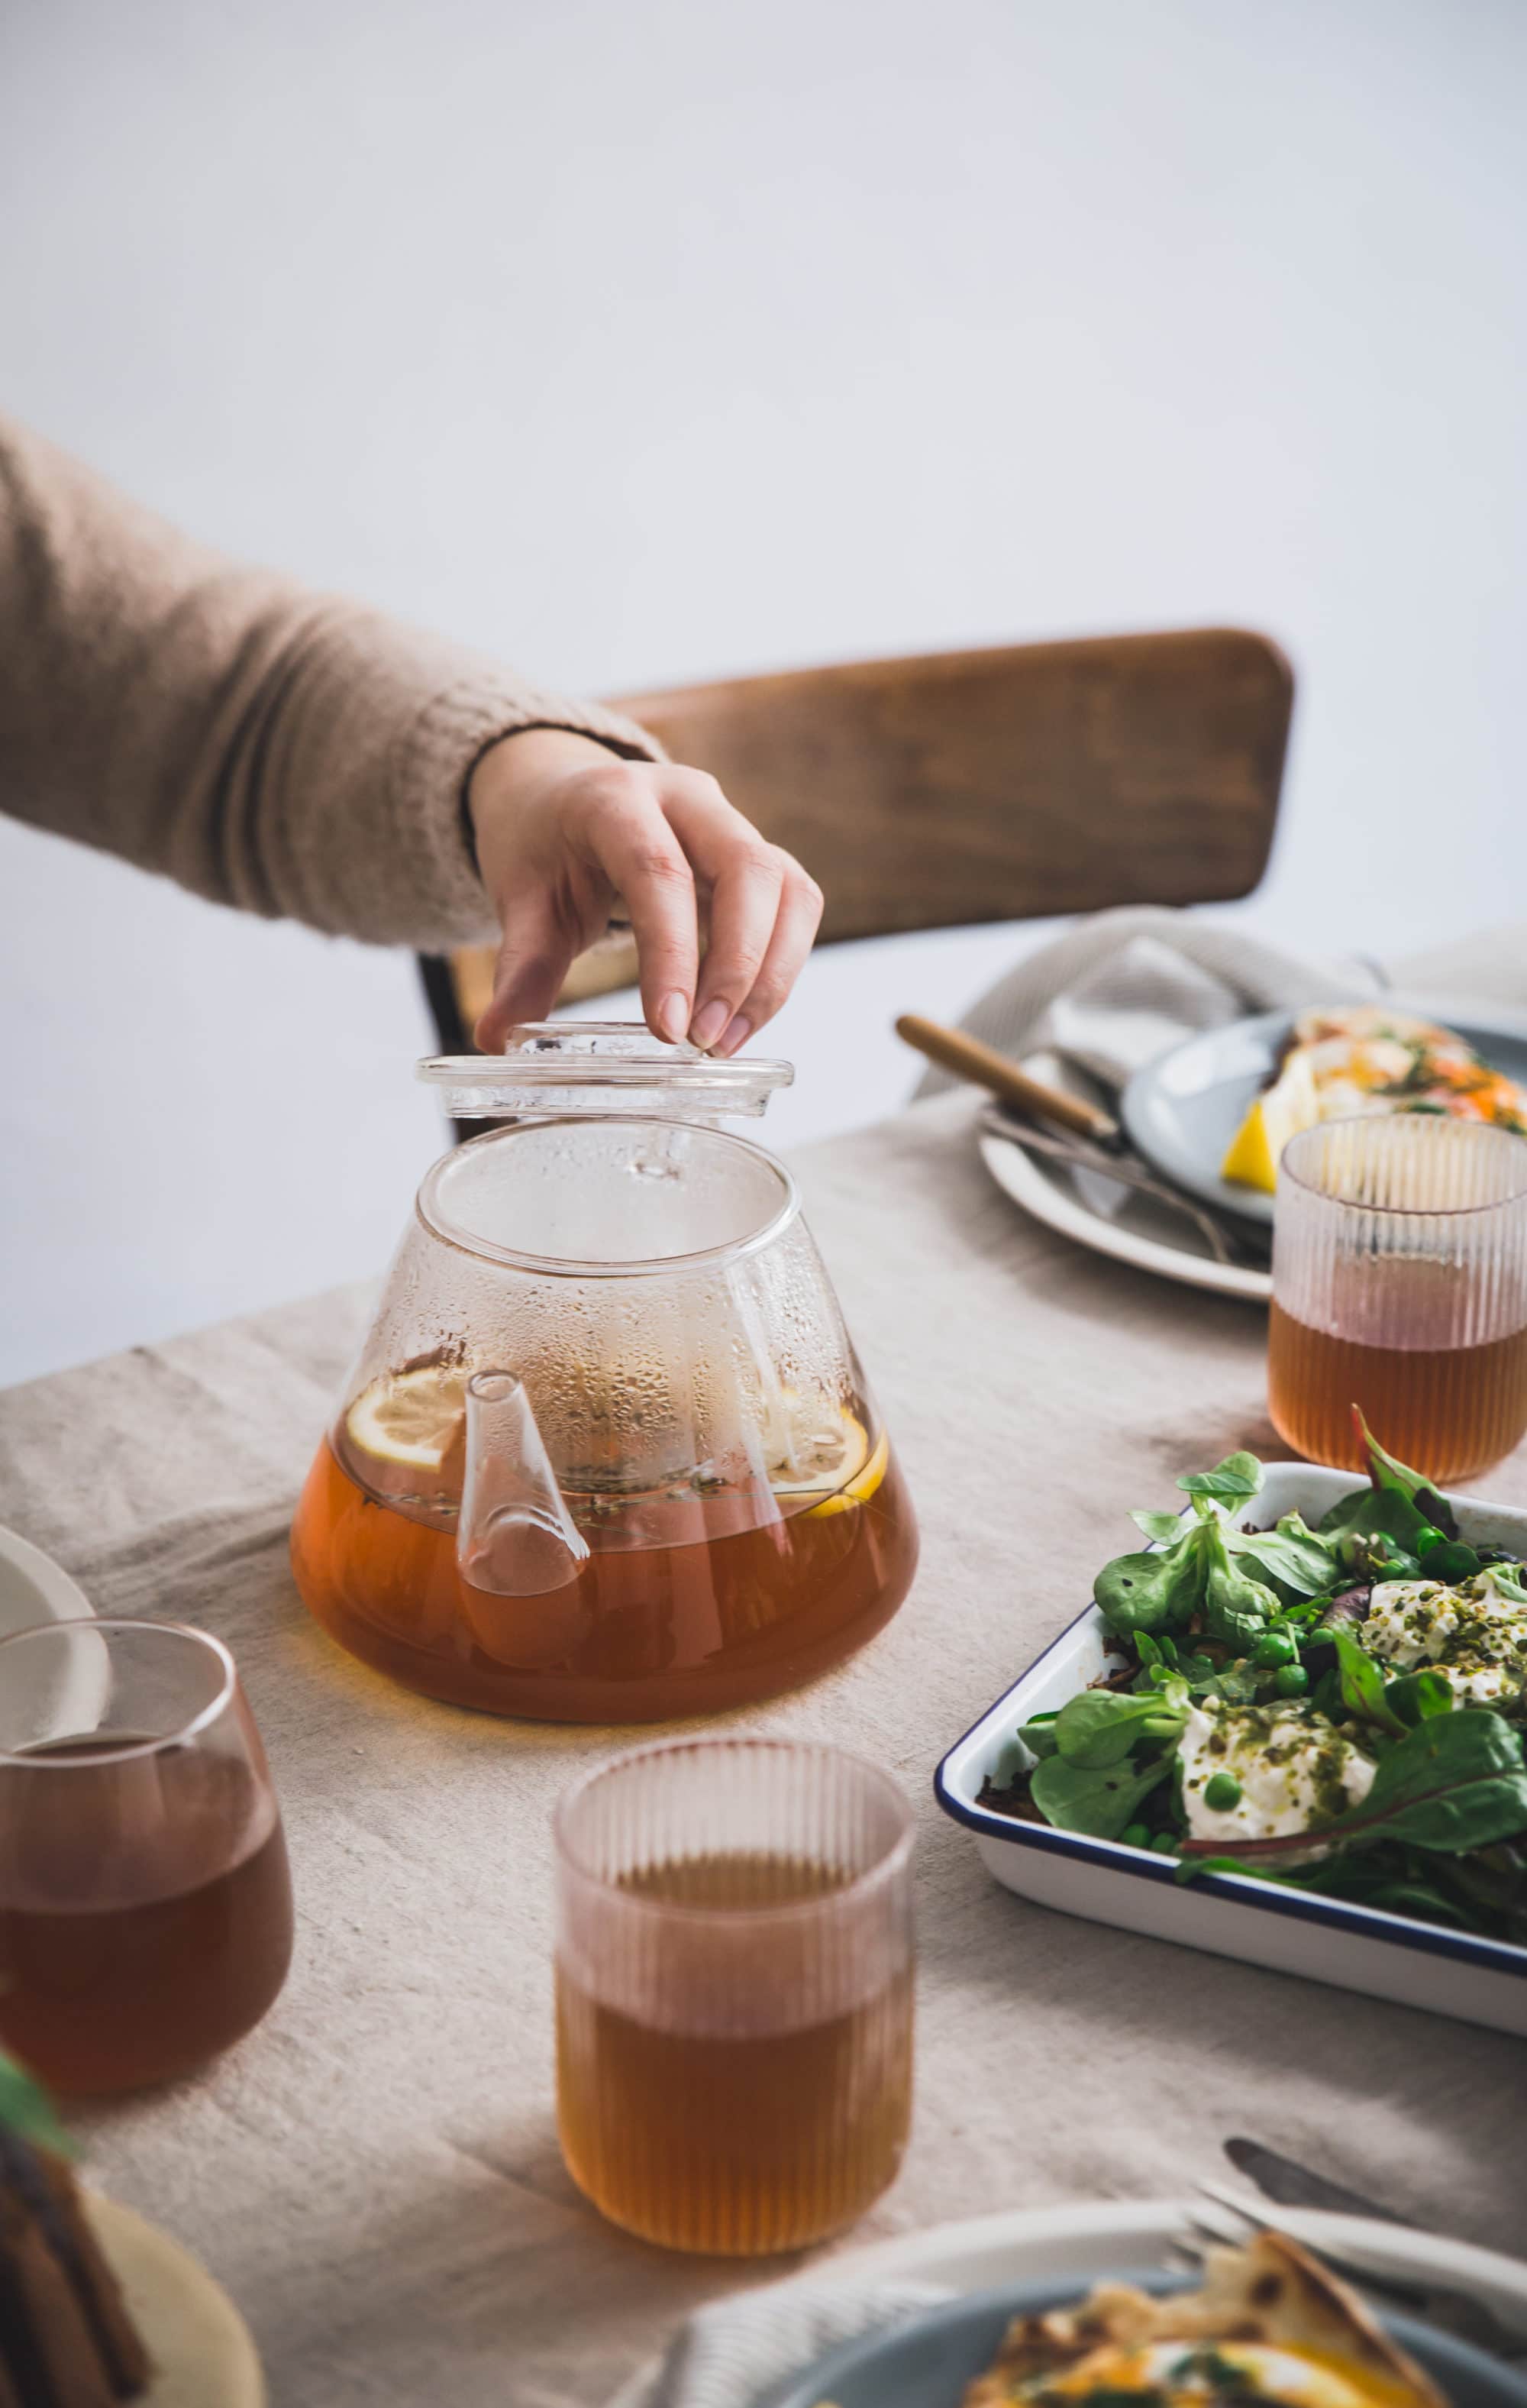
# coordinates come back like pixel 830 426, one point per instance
pixel 1003 784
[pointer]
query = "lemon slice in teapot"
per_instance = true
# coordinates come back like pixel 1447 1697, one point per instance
pixel 410 1417
pixel 863 1484
pixel 833 1466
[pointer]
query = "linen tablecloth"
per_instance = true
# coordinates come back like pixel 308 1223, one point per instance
pixel 375 2174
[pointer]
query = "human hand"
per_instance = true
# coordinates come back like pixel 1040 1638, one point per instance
pixel 564 829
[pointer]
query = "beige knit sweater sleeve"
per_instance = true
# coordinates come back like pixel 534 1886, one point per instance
pixel 279 749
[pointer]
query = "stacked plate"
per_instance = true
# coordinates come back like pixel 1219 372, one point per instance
pixel 1181 1113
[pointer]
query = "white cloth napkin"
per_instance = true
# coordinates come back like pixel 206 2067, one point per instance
pixel 742 2352
pixel 1120 988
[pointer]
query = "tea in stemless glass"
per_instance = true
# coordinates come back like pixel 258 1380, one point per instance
pixel 734 1991
pixel 145 1901
pixel 1400 1286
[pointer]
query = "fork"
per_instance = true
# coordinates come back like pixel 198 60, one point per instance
pixel 1225 1244
pixel 1224 2217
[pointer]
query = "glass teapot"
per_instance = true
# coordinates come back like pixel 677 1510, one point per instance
pixel 606 1453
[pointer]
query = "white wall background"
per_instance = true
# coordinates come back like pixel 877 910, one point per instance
pixel 649 339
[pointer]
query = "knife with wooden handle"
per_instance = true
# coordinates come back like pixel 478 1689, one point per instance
pixel 983 1067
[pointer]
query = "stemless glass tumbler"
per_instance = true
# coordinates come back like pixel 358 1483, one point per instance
pixel 1400 1286
pixel 734 1991
pixel 145 1901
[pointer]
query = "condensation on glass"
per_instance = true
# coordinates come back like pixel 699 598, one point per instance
pixel 607 1452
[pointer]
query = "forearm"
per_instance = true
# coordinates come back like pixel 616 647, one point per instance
pixel 286 752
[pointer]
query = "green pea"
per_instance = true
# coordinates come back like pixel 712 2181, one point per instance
pixel 1290 1681
pixel 1222 1791
pixel 1274 1647
pixel 1453 1562
pixel 1164 1844
pixel 1428 1535
pixel 1392 1563
pixel 1135 1835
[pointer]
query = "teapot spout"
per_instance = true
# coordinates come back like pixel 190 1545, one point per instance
pixel 515 1537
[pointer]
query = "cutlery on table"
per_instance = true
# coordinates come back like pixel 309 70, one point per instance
pixel 1224 2218
pixel 1227 1245
pixel 1289 2184
pixel 981 1066
pixel 1093 1140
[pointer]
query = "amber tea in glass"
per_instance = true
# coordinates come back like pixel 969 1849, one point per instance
pixel 1400 1286
pixel 145 1901
pixel 733 1992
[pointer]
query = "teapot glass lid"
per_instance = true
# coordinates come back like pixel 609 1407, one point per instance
pixel 548 1068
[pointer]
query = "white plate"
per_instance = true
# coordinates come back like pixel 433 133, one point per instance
pixel 1182 1110
pixel 1326 1939
pixel 1089 2239
pixel 32 1588
pixel 1115 1221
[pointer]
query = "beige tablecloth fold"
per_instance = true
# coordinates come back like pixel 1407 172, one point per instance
pixel 374 2174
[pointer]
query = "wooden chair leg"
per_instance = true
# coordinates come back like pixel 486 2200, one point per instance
pixel 440 995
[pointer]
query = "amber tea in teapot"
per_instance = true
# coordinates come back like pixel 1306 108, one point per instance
pixel 607 1454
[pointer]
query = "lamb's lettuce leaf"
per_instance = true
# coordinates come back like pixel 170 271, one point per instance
pixel 1102 1726
pixel 1100 1800
pixel 1153 1591
pixel 1235 1482
pixel 1237 1607
pixel 1294 1559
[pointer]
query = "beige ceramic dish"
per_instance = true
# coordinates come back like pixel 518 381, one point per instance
pixel 199 2344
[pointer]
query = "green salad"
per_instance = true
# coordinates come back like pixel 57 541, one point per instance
pixel 1338 1709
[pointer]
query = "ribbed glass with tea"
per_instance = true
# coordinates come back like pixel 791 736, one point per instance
pixel 1400 1286
pixel 734 1982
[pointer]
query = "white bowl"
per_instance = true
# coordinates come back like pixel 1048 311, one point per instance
pixel 1330 1940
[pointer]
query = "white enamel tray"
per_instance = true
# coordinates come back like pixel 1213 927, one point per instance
pixel 1329 1940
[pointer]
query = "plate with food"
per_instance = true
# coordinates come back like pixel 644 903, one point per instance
pixel 1268 2323
pixel 1289 1728
pixel 97 2305
pixel 1215 1111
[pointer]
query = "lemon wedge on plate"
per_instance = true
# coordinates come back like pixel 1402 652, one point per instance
pixel 1280 1112
pixel 409 1417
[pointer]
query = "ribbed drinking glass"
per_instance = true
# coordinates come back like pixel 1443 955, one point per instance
pixel 1400 1286
pixel 734 1991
